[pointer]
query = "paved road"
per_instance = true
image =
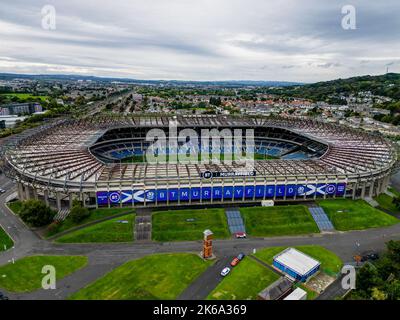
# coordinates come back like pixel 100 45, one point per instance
pixel 206 282
pixel 334 290
pixel 104 257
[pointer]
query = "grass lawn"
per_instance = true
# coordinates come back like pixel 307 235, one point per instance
pixel 159 276
pixel 330 262
pixel 106 231
pixel 278 221
pixel 15 206
pixel 5 240
pixel 311 294
pixel 394 191
pixel 25 275
pixel 25 96
pixel 244 282
pixel 347 214
pixel 95 214
pixel 173 225
pixel 385 202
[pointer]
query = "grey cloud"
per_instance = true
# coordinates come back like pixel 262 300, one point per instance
pixel 205 39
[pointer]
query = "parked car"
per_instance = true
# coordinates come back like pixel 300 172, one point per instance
pixel 366 256
pixel 241 256
pixel 240 235
pixel 2 190
pixel 370 255
pixel 225 271
pixel 234 262
pixel 3 297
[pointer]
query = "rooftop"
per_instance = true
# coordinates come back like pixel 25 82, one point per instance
pixel 296 261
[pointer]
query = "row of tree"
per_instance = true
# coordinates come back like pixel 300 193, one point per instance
pixel 37 214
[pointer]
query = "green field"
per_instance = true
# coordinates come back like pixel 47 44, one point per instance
pixel 278 221
pixel 330 263
pixel 159 276
pixel 311 294
pixel 25 275
pixel 173 225
pixel 106 231
pixel 394 191
pixel 24 96
pixel 95 214
pixel 385 202
pixel 347 214
pixel 244 282
pixel 5 240
pixel 15 206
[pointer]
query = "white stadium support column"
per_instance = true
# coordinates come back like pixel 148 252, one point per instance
pixel 70 199
pixel 35 194
pixel 58 197
pixel 21 195
pixel 27 193
pixel 46 197
pixel 363 191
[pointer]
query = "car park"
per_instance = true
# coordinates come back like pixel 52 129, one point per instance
pixel 225 271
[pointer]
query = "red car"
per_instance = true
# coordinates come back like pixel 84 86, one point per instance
pixel 234 262
pixel 240 235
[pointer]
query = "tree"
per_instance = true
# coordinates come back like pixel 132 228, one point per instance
pixel 393 290
pixel 396 202
pixel 35 213
pixel 78 213
pixel 377 294
pixel 367 278
pixel 215 101
pixel 393 254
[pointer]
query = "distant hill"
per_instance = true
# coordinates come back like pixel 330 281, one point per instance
pixel 387 85
pixel 227 83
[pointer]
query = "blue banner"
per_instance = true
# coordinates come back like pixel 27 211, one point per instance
pixel 218 193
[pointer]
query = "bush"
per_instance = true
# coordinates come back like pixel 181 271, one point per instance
pixel 35 213
pixel 53 227
pixel 78 213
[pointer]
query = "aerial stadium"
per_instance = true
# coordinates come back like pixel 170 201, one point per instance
pixel 101 162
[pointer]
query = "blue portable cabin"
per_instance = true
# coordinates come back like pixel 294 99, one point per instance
pixel 296 264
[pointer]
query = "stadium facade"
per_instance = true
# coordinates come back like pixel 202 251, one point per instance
pixel 96 161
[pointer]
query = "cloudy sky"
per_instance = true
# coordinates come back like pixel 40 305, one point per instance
pixel 288 40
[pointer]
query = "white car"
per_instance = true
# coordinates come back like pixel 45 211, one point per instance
pixel 225 271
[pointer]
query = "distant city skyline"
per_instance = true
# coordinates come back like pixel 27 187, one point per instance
pixel 204 40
